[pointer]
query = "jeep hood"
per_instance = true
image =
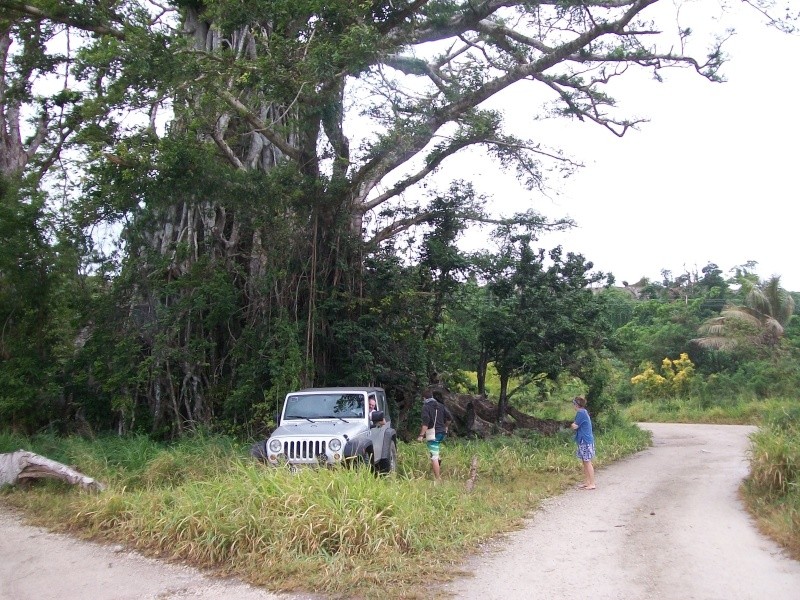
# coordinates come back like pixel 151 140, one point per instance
pixel 326 428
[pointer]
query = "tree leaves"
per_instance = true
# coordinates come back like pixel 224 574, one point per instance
pixel 759 322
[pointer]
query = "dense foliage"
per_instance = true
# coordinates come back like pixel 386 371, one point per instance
pixel 265 174
pixel 665 342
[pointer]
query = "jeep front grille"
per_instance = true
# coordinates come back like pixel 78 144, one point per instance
pixel 303 449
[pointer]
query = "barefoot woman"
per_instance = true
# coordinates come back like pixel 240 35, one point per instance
pixel 584 438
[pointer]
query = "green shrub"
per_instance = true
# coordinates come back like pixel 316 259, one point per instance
pixel 772 491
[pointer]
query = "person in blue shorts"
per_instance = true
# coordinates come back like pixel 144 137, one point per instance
pixel 584 438
pixel 437 417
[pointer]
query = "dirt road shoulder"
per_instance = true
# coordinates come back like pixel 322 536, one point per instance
pixel 36 564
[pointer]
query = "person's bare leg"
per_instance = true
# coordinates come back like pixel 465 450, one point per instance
pixel 436 471
pixel 588 475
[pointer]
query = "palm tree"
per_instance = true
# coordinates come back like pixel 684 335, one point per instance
pixel 767 309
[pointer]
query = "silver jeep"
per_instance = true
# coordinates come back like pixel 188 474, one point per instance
pixel 330 426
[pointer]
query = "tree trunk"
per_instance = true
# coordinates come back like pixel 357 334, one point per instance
pixel 502 404
pixel 21 467
pixel 483 364
pixel 271 265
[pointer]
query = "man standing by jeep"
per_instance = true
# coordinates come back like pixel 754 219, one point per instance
pixel 435 417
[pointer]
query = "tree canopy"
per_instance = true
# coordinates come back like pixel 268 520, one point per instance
pixel 760 320
pixel 261 162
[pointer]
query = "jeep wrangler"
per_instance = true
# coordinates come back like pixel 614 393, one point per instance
pixel 330 426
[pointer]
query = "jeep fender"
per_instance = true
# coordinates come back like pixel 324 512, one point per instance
pixel 357 447
pixel 382 438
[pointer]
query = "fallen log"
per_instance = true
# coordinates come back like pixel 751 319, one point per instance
pixel 546 426
pixel 22 467
pixel 477 416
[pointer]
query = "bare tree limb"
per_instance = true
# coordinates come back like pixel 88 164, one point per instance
pixel 259 125
pixel 408 143
pixel 21 466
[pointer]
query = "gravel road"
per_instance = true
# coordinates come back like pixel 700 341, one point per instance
pixel 38 565
pixel 665 524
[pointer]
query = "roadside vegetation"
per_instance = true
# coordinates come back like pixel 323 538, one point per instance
pixel 736 411
pixel 341 532
pixel 772 492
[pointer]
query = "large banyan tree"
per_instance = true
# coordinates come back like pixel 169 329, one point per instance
pixel 256 153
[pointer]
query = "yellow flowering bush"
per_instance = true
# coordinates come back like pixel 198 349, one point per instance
pixel 648 383
pixel 674 380
pixel 682 370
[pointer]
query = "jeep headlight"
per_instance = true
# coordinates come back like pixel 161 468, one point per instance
pixel 275 446
pixel 335 444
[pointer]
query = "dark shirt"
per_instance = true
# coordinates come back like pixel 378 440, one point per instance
pixel 433 409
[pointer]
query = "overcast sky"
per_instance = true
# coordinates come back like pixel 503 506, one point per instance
pixel 711 178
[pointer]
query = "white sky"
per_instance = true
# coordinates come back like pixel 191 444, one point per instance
pixel 711 178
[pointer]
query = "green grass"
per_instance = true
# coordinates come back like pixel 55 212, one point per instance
pixel 339 532
pixel 732 411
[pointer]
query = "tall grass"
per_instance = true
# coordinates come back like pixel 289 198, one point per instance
pixel 340 532
pixel 772 491
pixel 730 411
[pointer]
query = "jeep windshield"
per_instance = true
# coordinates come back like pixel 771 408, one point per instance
pixel 325 406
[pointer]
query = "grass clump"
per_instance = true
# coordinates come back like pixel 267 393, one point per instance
pixel 772 491
pixel 341 532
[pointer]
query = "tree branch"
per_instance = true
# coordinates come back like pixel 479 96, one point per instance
pixel 408 141
pixel 259 125
pixel 226 149
pixel 398 17
pixel 407 223
pixel 434 160
pixel 78 22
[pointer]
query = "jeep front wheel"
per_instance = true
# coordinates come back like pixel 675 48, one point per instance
pixel 389 464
